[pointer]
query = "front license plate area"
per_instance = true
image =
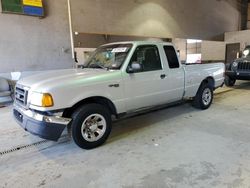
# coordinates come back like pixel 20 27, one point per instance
pixel 18 116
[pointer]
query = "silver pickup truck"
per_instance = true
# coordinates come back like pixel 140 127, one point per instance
pixel 118 79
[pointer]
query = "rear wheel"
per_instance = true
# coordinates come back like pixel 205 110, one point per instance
pixel 229 81
pixel 91 126
pixel 204 97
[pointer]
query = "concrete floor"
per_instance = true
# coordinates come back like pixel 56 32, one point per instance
pixel 175 147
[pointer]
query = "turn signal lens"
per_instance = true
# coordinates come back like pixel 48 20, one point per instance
pixel 47 100
pixel 235 64
pixel 41 99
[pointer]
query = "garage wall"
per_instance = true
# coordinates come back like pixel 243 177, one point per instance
pixel 29 43
pixel 33 44
pixel 159 18
pixel 213 51
pixel 181 46
pixel 84 40
pixel 210 50
pixel 242 37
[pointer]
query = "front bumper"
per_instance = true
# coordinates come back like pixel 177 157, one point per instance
pixel 46 127
pixel 238 75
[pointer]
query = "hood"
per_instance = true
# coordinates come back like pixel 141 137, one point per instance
pixel 243 59
pixel 47 79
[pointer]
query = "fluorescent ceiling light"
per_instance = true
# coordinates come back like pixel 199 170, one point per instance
pixel 192 41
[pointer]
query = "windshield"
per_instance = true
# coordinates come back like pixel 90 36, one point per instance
pixel 246 52
pixel 109 57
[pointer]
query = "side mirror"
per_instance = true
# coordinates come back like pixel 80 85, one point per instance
pixel 134 67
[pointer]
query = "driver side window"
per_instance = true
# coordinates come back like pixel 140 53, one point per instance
pixel 148 57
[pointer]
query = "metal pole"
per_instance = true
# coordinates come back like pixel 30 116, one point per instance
pixel 244 14
pixel 71 30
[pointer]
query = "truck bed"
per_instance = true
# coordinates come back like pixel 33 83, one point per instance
pixel 194 74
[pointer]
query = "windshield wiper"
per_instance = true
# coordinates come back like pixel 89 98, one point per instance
pixel 82 66
pixel 97 65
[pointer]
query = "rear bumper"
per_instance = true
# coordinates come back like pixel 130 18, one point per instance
pixel 238 75
pixel 46 127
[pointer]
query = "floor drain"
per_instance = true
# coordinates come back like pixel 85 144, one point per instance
pixel 19 148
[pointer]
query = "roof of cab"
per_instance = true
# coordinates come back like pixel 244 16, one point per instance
pixel 140 43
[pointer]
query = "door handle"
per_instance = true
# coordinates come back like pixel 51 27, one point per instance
pixel 114 85
pixel 163 76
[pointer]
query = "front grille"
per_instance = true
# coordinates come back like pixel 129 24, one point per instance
pixel 21 95
pixel 244 66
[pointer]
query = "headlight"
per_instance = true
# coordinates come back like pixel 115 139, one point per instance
pixel 246 52
pixel 234 66
pixel 41 99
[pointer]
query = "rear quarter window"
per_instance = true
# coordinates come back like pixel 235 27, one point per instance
pixel 171 55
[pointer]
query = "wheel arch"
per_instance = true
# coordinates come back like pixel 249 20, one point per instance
pixel 96 99
pixel 196 100
pixel 209 80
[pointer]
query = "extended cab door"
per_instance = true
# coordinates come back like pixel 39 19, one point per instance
pixel 146 87
pixel 175 81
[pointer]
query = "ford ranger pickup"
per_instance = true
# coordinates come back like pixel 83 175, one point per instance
pixel 118 79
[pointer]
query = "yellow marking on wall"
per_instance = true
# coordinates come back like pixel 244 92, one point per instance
pixel 36 3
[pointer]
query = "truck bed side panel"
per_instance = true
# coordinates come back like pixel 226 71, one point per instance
pixel 195 74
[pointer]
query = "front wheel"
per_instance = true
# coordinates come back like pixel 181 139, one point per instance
pixel 91 126
pixel 229 81
pixel 204 97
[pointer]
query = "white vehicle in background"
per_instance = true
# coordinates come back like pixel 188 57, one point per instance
pixel 119 78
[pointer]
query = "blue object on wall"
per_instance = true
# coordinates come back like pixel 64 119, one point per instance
pixel 33 11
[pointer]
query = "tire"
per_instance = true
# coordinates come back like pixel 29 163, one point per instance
pixel 204 97
pixel 229 82
pixel 91 125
